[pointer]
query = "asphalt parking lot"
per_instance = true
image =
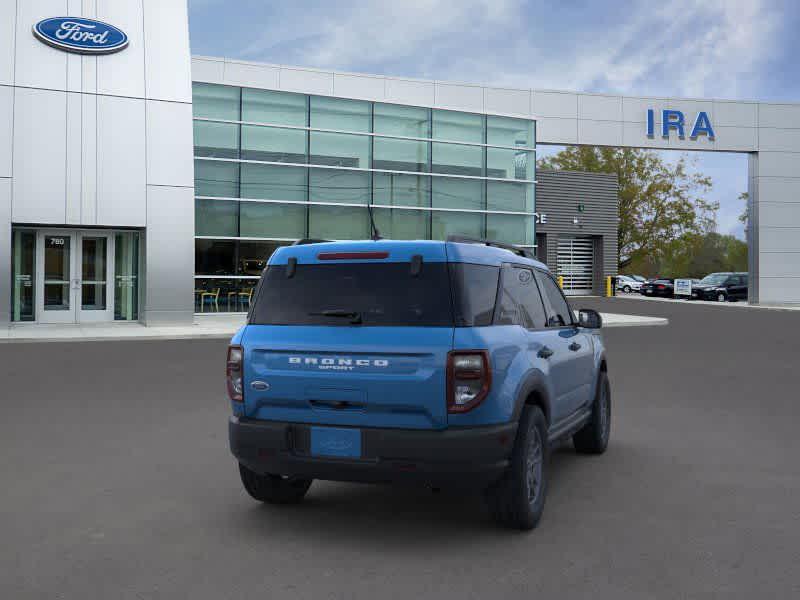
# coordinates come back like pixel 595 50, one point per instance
pixel 117 483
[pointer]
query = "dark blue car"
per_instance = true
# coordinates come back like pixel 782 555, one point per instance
pixel 444 363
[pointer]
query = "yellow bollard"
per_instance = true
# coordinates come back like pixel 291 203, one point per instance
pixel 608 287
pixel 561 281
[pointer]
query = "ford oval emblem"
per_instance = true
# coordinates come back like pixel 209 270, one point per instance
pixel 84 36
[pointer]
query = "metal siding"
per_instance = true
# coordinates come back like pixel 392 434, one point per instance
pixel 558 194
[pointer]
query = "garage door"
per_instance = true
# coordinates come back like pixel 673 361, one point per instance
pixel 576 264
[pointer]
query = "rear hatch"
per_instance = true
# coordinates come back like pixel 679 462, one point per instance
pixel 351 334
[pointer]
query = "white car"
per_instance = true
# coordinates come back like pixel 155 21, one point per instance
pixel 627 284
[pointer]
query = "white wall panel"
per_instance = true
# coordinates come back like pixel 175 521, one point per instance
pixel 208 70
pixel 779 290
pixel 556 131
pixel 779 115
pixel 738 139
pixel 599 108
pixel 555 104
pixel 781 140
pixel 307 81
pixel 8 23
pixel 169 143
pixel 89 159
pixel 74 158
pixel 601 133
pixel 36 64
pixel 6 127
pixel 121 169
pixel 779 189
pixel 779 264
pixel 779 239
pixel 408 91
pixel 166 37
pixel 358 86
pixel 39 156
pixel 779 164
pixel 250 75
pixel 122 73
pixel 507 102
pixel 169 255
pixel 5 249
pixel 735 114
pixel 634 109
pixel 464 97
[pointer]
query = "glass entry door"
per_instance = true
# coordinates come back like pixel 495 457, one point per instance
pixel 74 272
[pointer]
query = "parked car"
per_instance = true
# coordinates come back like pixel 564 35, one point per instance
pixel 721 287
pixel 457 362
pixel 663 288
pixel 627 284
pixel 639 278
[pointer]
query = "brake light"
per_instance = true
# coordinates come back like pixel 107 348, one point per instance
pixel 233 374
pixel 352 255
pixel 661 287
pixel 469 377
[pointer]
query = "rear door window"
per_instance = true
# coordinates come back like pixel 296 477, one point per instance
pixel 474 293
pixel 367 294
pixel 520 302
pixel 559 313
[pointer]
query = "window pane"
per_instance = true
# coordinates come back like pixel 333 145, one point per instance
pixel 455 223
pixel 281 108
pixel 215 101
pixel 259 219
pixel 273 182
pixel 335 185
pixel 336 113
pixel 503 195
pixel 509 164
pixel 126 276
pixel 512 229
pixel 23 259
pixel 216 217
pixel 400 155
pixel 451 192
pixel 401 190
pixel 339 150
pixel 338 222
pixel 474 292
pixel 457 126
pixel 559 312
pixel 273 144
pixel 521 303
pixel 216 139
pixel 506 131
pixel 214 257
pixel 214 178
pixel 457 159
pixel 253 257
pixel 215 295
pixel 408 121
pixel 400 224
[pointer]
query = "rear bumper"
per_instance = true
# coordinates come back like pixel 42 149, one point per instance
pixel 474 456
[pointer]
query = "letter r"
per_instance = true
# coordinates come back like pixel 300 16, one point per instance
pixel 672 119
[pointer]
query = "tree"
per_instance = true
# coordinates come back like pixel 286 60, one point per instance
pixel 659 202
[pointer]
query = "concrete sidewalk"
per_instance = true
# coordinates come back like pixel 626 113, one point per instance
pixel 206 326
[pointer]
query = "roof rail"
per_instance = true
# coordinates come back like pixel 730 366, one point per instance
pixel 305 241
pixel 511 247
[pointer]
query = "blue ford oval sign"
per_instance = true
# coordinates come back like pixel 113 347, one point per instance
pixel 84 36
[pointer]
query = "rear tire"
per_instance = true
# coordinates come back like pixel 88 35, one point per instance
pixel 722 297
pixel 273 489
pixel 517 500
pixel 593 437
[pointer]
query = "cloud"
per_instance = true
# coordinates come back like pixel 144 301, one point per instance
pixel 686 47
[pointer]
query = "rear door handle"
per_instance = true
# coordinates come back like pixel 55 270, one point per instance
pixel 574 346
pixel 545 352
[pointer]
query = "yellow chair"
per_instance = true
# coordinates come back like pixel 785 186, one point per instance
pixel 212 297
pixel 246 295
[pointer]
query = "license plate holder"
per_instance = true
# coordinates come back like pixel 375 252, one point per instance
pixel 336 442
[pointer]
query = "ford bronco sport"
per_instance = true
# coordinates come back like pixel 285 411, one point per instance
pixel 456 362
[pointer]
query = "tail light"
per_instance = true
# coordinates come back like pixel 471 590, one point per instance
pixel 233 374
pixel 469 377
pixel 661 287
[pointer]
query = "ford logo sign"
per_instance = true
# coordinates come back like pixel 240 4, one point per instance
pixel 84 36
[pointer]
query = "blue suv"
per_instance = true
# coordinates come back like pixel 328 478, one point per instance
pixel 456 362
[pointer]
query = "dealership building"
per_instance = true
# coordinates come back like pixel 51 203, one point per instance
pixel 139 183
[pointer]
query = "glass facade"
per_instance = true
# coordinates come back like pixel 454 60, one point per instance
pixel 272 167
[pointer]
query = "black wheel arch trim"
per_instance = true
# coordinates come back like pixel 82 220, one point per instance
pixel 534 383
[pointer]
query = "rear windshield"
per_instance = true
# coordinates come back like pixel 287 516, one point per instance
pixel 365 294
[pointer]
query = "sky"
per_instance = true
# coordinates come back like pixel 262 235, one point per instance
pixel 733 49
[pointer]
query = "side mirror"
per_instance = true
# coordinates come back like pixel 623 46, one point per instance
pixel 589 318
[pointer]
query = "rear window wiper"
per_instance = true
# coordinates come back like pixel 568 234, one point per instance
pixel 354 316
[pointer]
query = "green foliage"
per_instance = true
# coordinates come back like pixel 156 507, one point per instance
pixel 660 203
pixel 694 255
